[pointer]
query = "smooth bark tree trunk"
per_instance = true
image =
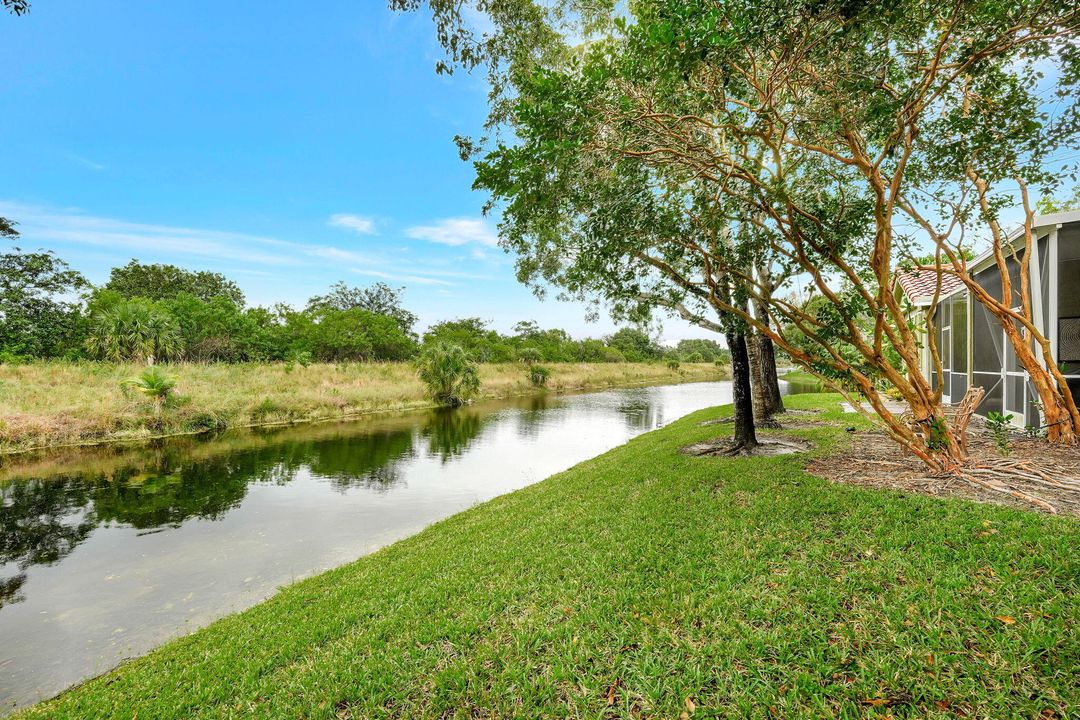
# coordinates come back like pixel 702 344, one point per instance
pixel 745 437
pixel 763 381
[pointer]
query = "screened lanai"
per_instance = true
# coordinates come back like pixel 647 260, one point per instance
pixel 971 341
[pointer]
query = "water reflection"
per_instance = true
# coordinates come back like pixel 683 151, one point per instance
pixel 106 552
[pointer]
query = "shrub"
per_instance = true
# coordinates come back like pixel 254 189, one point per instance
pixel 998 425
pixel 695 357
pixel 673 364
pixel 154 384
pixel 449 373
pixel 538 375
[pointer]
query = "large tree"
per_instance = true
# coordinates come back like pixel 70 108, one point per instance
pixel 39 308
pixel 379 298
pixel 158 281
pixel 815 126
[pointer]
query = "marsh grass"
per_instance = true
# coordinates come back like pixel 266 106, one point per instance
pixel 47 404
pixel 648 584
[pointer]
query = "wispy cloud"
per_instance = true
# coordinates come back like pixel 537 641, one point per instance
pixel 85 162
pixel 418 279
pixel 359 224
pixel 456 232
pixel 45 226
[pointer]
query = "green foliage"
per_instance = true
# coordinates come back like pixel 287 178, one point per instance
pixel 380 299
pixel 154 384
pixel 538 375
pixel 1051 204
pixel 166 282
pixel 707 350
pixel 635 345
pixel 673 364
pixel 999 426
pixel 530 355
pixel 450 375
pixel 36 317
pixel 134 331
pixel 474 336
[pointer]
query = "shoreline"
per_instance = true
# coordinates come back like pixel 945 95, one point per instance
pixel 411 397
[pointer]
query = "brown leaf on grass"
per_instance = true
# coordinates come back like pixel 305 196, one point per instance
pixel 612 689
pixel 876 702
pixel 1005 619
pixel 690 706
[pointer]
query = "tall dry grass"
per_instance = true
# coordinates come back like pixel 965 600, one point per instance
pixel 53 403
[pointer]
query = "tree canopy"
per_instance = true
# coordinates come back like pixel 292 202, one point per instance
pixel 166 282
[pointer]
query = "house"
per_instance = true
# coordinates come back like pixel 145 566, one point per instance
pixel 970 339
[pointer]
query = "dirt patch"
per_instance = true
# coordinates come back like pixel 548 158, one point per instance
pixel 1036 475
pixel 767 447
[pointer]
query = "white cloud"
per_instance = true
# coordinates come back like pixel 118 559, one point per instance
pixel 357 223
pixel 455 232
pixel 418 279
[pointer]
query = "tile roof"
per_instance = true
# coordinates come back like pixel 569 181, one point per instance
pixel 919 285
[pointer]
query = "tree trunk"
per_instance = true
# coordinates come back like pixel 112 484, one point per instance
pixel 745 439
pixel 764 383
pixel 767 398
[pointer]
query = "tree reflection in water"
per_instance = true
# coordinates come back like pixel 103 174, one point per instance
pixel 43 519
pixel 450 431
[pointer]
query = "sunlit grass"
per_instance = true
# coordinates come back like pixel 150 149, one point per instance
pixel 649 584
pixel 60 403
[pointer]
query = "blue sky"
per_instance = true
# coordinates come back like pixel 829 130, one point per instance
pixel 285 147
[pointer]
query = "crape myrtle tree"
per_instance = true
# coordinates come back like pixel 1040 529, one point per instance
pixel 922 110
pixel 990 136
pixel 822 120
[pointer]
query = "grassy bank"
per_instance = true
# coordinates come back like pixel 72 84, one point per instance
pixel 58 403
pixel 800 377
pixel 649 584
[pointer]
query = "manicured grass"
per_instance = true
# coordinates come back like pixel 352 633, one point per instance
pixel 53 403
pixel 642 584
pixel 800 376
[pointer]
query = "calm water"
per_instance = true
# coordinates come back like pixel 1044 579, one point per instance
pixel 107 553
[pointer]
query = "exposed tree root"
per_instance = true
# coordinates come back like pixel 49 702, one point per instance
pixel 769 447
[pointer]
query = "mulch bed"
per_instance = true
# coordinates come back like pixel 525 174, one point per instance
pixel 1035 476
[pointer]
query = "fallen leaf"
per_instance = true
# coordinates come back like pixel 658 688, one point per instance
pixel 690 706
pixel 1006 619
pixel 611 692
pixel 876 702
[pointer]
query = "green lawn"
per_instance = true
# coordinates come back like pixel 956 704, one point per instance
pixel 647 584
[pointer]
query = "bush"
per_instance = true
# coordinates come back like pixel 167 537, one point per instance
pixel 998 425
pixel 673 364
pixel 450 374
pixel 695 357
pixel 538 375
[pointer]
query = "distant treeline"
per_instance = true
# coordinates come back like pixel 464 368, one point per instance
pixel 154 312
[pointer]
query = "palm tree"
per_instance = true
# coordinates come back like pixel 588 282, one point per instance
pixel 134 330
pixel 154 384
pixel 449 373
